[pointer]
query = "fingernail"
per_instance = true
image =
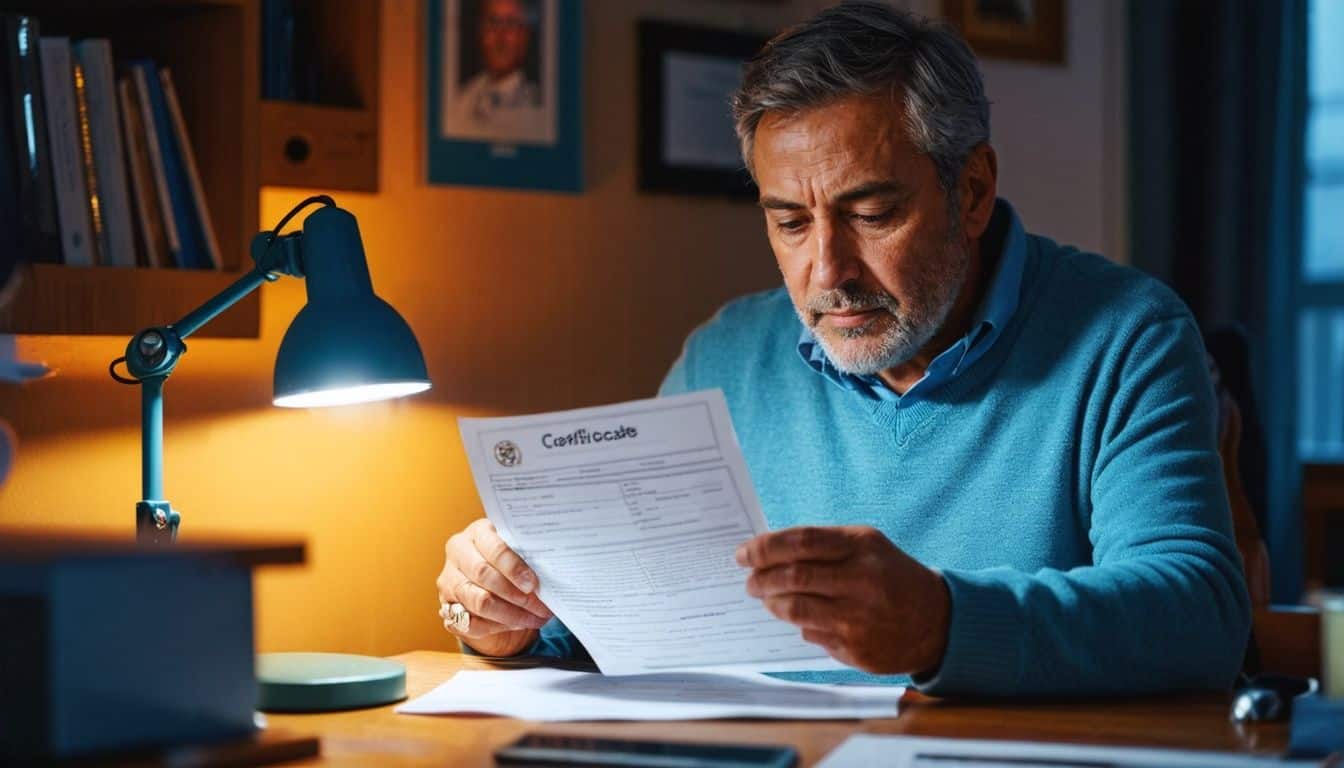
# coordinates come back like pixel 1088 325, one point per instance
pixel 527 582
pixel 741 555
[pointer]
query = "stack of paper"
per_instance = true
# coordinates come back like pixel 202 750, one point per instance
pixel 866 751
pixel 554 694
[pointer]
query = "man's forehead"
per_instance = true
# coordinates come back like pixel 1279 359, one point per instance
pixel 854 144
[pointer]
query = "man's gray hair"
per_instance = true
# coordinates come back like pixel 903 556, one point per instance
pixel 865 47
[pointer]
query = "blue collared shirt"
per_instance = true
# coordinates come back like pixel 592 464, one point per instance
pixel 998 307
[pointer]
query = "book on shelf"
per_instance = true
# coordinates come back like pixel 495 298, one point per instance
pixel 277 50
pixel 188 160
pixel 10 250
pixel 97 229
pixel 113 204
pixel 158 175
pixel 153 237
pixel 95 169
pixel 72 194
pixel 182 213
pixel 38 231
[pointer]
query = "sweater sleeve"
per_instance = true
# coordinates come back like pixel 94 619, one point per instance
pixel 678 378
pixel 1163 606
pixel 554 640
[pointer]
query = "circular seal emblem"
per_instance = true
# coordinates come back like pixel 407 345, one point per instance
pixel 508 454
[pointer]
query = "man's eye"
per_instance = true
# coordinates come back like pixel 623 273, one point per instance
pixel 791 225
pixel 873 218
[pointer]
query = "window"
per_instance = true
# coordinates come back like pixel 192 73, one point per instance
pixel 1321 310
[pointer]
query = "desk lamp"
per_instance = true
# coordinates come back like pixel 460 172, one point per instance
pixel 345 346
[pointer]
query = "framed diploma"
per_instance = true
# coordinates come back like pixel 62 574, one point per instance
pixel 687 76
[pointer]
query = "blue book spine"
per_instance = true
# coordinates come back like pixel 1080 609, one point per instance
pixel 277 49
pixel 10 247
pixel 194 253
pixel 39 232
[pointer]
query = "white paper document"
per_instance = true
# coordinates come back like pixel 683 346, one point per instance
pixel 555 694
pixel 866 751
pixel 630 515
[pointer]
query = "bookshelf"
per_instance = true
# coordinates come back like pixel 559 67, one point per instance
pixel 213 50
pixel 333 145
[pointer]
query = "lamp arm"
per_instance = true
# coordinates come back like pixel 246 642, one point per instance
pixel 273 256
pixel 153 353
pixel 196 319
pixel 151 356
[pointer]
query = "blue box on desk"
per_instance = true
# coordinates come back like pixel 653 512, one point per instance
pixel 108 647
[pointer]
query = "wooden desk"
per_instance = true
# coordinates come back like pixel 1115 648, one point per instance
pixel 383 738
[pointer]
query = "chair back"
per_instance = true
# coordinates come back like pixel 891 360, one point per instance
pixel 1284 640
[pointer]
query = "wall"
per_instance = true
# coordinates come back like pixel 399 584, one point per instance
pixel 523 302
pixel 1060 131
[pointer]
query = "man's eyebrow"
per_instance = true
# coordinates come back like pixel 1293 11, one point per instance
pixel 871 189
pixel 865 190
pixel 779 203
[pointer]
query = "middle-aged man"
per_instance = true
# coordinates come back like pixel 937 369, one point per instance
pixel 988 460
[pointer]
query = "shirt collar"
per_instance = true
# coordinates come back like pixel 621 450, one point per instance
pixel 996 308
pixel 1000 302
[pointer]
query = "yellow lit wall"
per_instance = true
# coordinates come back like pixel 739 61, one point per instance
pixel 521 301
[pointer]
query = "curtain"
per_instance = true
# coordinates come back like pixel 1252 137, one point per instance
pixel 1217 93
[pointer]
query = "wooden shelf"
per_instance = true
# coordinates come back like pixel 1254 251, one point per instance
pixel 56 299
pixel 330 146
pixel 213 48
pixel 320 147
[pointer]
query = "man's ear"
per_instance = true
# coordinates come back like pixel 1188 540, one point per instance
pixel 978 188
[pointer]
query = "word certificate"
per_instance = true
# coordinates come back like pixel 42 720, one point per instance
pixel 630 515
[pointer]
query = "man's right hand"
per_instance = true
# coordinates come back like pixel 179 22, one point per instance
pixel 496 587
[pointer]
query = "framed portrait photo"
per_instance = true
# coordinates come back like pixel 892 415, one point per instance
pixel 687 76
pixel 504 94
pixel 1028 30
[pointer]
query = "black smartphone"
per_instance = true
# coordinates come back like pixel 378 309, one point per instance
pixel 545 749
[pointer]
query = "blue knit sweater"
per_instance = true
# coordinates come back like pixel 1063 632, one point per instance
pixel 1066 482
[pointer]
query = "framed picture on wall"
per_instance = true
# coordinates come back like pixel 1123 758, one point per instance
pixel 687 76
pixel 1029 30
pixel 504 94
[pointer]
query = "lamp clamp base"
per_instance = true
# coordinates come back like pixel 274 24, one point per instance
pixel 156 522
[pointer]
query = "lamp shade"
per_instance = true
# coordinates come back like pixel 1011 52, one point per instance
pixel 346 345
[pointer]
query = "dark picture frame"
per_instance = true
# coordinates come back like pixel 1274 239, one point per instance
pixel 536 144
pixel 1025 30
pixel 686 77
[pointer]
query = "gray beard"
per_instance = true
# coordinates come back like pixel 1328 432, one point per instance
pixel 908 328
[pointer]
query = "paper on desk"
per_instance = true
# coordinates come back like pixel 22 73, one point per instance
pixel 867 750
pixel 630 515
pixel 555 694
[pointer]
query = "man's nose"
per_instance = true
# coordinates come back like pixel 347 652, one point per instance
pixel 834 260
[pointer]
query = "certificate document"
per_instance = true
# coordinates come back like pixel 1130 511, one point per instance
pixel 630 515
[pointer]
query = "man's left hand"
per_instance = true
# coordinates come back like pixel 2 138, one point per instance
pixel 854 593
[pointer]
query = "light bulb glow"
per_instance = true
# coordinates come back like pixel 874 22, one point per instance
pixel 363 393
